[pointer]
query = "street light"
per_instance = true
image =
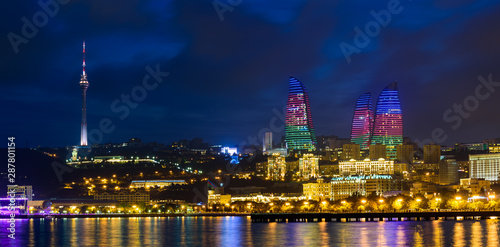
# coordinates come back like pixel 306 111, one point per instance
pixel 419 200
pixel 458 198
pixel 363 201
pixel 381 200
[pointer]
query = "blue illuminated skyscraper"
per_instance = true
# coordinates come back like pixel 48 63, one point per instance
pixel 388 129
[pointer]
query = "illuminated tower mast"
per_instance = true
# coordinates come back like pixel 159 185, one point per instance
pixel 84 84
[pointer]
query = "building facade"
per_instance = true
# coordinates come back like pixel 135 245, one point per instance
pixel 268 141
pixel 388 126
pixel 485 166
pixel 474 186
pixel 309 166
pixel 404 153
pixel 366 167
pixel 343 187
pixel 276 167
pixel 299 129
pixel 378 151
pixel 155 183
pixel 123 197
pixel 362 121
pixel 432 154
pixel 351 151
pixel 317 191
pixel 448 172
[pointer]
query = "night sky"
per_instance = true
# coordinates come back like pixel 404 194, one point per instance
pixel 227 76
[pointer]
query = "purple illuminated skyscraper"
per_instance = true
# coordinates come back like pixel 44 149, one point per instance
pixel 388 129
pixel 84 84
pixel 299 130
pixel 362 121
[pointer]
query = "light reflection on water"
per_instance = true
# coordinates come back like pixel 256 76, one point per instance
pixel 239 231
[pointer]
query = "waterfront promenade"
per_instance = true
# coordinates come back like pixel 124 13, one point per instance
pixel 373 216
pixel 41 216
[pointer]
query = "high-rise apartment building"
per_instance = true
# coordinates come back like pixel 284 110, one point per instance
pixel 378 151
pixel 276 167
pixel 485 166
pixel 350 151
pixel 432 154
pixel 404 153
pixel 309 166
pixel 268 141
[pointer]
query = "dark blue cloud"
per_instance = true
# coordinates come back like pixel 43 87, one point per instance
pixel 226 77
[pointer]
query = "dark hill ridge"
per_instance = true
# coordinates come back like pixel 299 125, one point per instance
pixel 37 169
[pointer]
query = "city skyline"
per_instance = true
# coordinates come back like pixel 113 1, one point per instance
pixel 231 122
pixel 226 87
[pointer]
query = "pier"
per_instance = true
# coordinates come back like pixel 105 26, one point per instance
pixel 373 216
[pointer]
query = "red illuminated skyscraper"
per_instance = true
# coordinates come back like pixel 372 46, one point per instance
pixel 388 128
pixel 299 128
pixel 362 121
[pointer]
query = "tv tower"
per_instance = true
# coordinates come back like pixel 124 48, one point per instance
pixel 84 84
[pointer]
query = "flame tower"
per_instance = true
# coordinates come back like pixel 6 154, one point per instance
pixel 388 128
pixel 362 121
pixel 84 84
pixel 299 130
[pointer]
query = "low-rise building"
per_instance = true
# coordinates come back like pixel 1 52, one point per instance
pixel 317 191
pixel 474 186
pixel 155 183
pixel 215 198
pixel 366 167
pixel 343 187
pixel 123 197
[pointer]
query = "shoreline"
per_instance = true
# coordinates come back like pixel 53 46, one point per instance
pixel 70 216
